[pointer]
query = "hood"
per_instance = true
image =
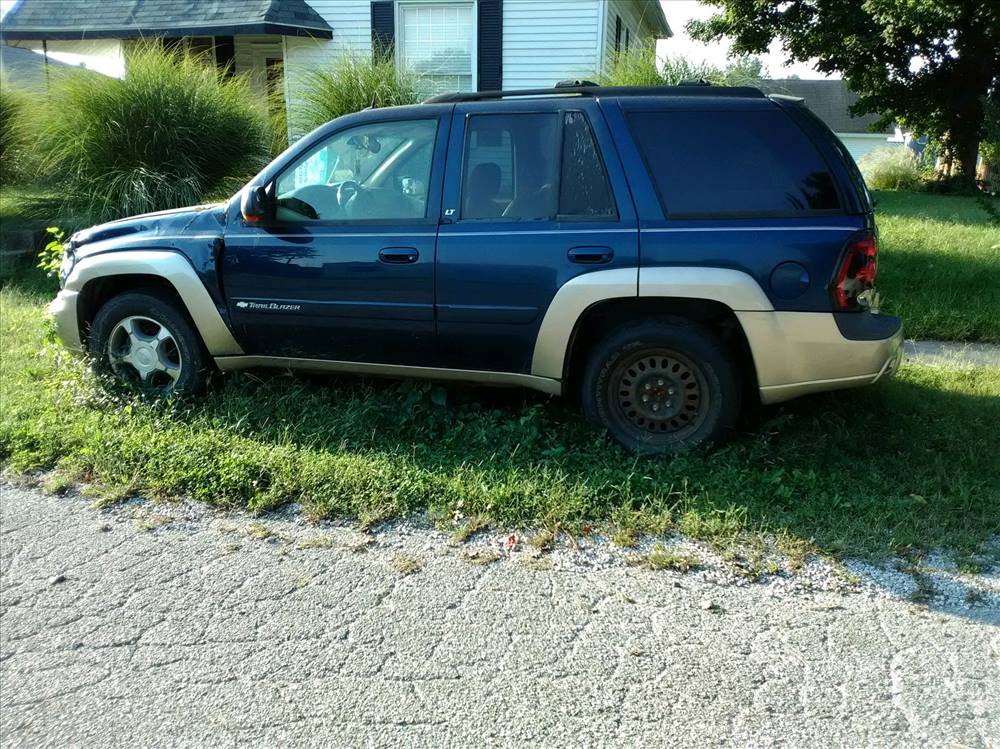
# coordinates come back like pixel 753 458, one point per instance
pixel 169 226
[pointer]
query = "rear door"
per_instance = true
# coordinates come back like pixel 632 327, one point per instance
pixel 534 196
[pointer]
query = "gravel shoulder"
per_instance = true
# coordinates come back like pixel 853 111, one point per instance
pixel 173 624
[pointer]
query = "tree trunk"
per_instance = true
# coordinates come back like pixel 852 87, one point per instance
pixel 965 147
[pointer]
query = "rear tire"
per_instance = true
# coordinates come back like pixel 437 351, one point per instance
pixel 143 341
pixel 662 385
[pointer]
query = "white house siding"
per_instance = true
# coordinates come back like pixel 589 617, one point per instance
pixel 546 42
pixel 858 144
pixel 103 55
pixel 352 34
pixel 636 17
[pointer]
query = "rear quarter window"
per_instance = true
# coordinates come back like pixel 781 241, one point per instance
pixel 733 164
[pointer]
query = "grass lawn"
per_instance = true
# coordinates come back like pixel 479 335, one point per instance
pixel 939 266
pixel 903 466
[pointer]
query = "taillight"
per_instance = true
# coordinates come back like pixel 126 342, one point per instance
pixel 857 271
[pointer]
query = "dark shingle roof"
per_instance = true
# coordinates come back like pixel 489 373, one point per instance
pixel 829 100
pixel 118 19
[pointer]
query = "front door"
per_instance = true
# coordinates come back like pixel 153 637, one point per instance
pixel 530 203
pixel 345 272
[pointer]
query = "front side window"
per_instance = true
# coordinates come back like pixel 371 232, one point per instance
pixel 732 163
pixel 379 170
pixel 435 42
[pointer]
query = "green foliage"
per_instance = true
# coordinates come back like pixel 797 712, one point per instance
pixel 640 66
pixel 939 259
pixel 352 84
pixel 171 133
pixel 51 255
pixel 891 169
pixel 13 104
pixel 873 45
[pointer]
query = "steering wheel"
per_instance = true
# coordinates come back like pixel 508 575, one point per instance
pixel 346 190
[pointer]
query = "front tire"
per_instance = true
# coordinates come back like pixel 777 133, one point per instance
pixel 662 385
pixel 143 341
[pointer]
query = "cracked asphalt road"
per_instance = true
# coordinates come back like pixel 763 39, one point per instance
pixel 208 631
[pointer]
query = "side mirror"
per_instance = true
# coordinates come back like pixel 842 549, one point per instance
pixel 254 204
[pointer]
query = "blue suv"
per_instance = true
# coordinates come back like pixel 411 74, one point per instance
pixel 665 254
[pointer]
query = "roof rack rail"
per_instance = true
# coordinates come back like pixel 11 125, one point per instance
pixel 586 88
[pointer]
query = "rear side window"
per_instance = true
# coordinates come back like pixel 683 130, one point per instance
pixel 527 166
pixel 511 167
pixel 584 191
pixel 732 164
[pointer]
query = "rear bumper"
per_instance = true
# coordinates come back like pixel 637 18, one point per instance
pixel 797 353
pixel 62 309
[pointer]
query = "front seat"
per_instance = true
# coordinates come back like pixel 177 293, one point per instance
pixel 481 192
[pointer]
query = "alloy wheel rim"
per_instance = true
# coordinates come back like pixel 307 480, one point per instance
pixel 661 393
pixel 143 352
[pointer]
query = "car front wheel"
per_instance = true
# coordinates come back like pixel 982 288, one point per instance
pixel 144 342
pixel 662 385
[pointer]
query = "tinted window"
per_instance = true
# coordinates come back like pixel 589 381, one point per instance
pixel 732 163
pixel 509 169
pixel 583 187
pixel 374 171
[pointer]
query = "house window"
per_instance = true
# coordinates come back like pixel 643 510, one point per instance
pixel 436 41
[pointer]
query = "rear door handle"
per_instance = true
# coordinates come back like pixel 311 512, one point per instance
pixel 591 255
pixel 398 255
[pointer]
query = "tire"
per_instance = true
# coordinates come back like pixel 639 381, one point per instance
pixel 662 385
pixel 143 341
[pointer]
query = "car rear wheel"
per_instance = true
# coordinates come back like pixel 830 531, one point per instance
pixel 662 385
pixel 141 340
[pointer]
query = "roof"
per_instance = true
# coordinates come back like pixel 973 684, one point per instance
pixel 829 99
pixel 657 18
pixel 125 19
pixel 24 69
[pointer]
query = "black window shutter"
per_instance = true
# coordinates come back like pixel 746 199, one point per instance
pixel 383 27
pixel 225 54
pixel 628 39
pixel 490 45
pixel 618 33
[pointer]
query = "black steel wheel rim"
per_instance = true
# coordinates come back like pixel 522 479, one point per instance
pixel 660 392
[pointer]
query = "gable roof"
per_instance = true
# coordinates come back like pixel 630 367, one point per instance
pixel 829 99
pixel 126 19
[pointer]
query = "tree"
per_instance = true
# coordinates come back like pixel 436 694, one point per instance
pixel 931 65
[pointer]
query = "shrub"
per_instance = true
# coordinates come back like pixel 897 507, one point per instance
pixel 640 66
pixel 171 133
pixel 12 108
pixel 353 84
pixel 891 169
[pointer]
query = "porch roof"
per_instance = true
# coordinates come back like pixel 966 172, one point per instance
pixel 130 19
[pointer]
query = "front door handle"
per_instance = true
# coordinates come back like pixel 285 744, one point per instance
pixel 591 255
pixel 398 255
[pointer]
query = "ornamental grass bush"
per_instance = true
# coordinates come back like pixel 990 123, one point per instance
pixel 175 131
pixel 13 104
pixel 891 169
pixel 351 85
pixel 640 66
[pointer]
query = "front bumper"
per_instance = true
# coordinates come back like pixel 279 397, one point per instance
pixel 62 309
pixel 797 353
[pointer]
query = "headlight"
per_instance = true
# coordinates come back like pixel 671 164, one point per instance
pixel 65 268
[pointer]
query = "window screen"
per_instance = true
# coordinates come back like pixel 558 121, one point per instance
pixel 583 187
pixel 435 41
pixel 734 163
pixel 509 168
